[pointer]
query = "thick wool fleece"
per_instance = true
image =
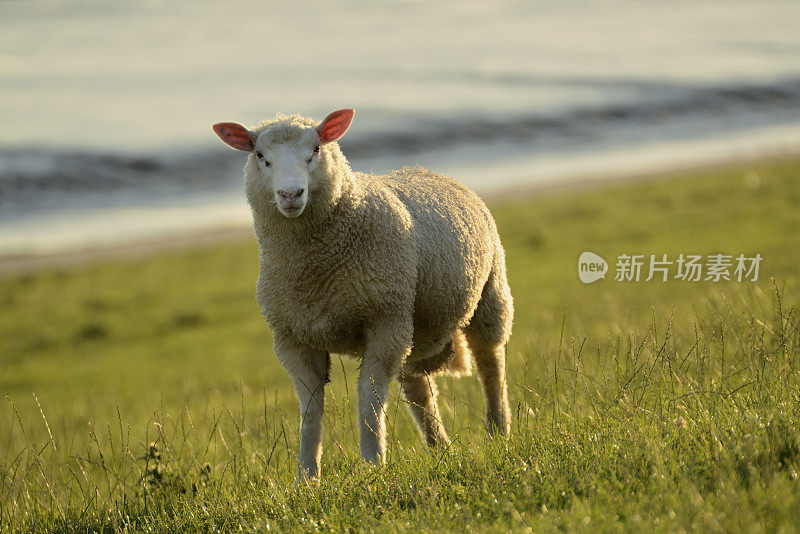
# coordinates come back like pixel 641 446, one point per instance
pixel 412 248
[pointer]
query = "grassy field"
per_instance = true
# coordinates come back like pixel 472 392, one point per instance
pixel 143 395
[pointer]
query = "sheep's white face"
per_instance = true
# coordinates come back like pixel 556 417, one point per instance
pixel 288 169
pixel 285 158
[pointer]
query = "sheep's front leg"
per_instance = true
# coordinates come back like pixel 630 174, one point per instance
pixel 308 369
pixel 384 355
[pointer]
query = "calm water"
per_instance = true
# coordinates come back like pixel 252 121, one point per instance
pixel 106 106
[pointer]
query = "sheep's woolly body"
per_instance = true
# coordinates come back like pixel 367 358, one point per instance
pixel 411 244
pixel 409 262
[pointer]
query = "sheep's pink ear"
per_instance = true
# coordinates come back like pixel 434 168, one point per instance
pixel 335 125
pixel 234 135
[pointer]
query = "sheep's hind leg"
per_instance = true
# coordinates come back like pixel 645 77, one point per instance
pixel 491 365
pixel 487 335
pixel 421 392
pixel 308 369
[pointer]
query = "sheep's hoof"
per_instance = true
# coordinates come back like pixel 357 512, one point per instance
pixel 307 478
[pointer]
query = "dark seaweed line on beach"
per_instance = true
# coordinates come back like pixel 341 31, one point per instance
pixel 31 179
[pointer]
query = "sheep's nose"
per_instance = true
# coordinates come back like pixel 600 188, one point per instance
pixel 291 195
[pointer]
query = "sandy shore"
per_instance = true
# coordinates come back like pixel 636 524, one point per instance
pixel 598 180
pixel 16 264
pixel 10 265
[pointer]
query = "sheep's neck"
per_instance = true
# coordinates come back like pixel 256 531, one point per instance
pixel 319 219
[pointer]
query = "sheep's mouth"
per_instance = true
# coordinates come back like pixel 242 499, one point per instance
pixel 291 211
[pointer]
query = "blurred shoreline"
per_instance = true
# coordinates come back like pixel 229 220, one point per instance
pixel 168 242
pixel 20 264
pixel 106 202
pixel 112 144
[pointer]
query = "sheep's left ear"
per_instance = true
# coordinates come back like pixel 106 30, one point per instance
pixel 234 135
pixel 335 125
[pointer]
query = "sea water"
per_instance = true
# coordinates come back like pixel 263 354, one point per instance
pixel 106 106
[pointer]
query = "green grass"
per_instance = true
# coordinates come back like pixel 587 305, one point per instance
pixel 637 406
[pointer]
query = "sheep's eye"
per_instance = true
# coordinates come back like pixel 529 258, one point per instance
pixel 316 149
pixel 260 156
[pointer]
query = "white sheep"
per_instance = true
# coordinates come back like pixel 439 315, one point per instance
pixel 405 271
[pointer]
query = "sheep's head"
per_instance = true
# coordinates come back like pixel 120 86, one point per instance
pixel 286 154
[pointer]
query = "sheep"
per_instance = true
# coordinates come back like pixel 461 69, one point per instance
pixel 404 271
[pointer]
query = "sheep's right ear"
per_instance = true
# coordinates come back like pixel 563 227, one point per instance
pixel 234 135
